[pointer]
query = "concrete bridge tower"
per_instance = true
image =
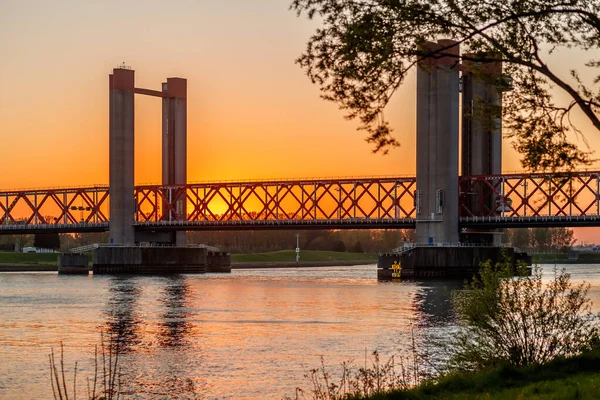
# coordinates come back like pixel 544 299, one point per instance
pixel 482 85
pixel 174 143
pixel 121 155
pixel 437 144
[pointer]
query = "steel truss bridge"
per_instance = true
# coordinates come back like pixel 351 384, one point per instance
pixel 494 201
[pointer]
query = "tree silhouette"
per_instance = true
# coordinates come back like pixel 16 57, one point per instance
pixel 365 49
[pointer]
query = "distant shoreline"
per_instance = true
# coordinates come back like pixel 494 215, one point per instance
pixel 265 265
pixel 47 262
pixel 234 265
pixel 28 268
pixel 301 264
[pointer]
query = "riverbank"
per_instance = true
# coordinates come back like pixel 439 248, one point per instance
pixel 563 258
pixel 301 264
pixel 46 262
pixel 572 378
pixel 28 262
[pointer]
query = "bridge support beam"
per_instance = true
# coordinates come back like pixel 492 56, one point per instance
pixel 121 156
pixel 174 144
pixel 437 144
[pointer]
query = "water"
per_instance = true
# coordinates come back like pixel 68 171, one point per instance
pixel 251 334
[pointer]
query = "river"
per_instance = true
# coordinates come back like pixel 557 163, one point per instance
pixel 248 335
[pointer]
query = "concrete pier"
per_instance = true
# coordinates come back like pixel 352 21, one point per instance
pixel 149 260
pixel 437 144
pixel 218 262
pixel 121 156
pixel 157 260
pixel 446 262
pixel 73 264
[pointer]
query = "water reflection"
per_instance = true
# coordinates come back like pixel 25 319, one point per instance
pixel 174 324
pixel 251 334
pixel 178 356
pixel 433 301
pixel 434 313
pixel 123 322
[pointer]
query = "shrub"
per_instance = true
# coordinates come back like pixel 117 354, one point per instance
pixel 520 320
pixel 351 382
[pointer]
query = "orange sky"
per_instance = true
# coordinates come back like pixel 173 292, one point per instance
pixel 252 113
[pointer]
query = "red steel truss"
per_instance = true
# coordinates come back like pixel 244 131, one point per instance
pixel 52 207
pixel 285 202
pixel 336 202
pixel 519 199
pixel 556 195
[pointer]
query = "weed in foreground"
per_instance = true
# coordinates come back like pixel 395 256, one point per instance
pixel 106 386
pixel 397 373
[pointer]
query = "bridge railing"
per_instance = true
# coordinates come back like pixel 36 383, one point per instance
pixel 18 228
pixel 90 247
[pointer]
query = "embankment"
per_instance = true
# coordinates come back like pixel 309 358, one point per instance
pixel 41 262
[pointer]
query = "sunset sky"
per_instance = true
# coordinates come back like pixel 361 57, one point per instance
pixel 252 113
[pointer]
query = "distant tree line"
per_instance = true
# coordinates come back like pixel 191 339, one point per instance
pixel 358 241
pixel 541 240
pixel 537 240
pixel 54 241
pixel 46 241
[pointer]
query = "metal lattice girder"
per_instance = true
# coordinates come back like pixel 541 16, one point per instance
pixel 54 206
pixel 302 200
pixel 563 198
pixel 573 194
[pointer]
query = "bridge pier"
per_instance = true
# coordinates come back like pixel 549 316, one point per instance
pixel 453 262
pixel 439 251
pixel 136 260
pixel 157 260
pixel 73 264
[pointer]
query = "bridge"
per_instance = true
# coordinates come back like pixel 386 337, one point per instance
pixel 442 206
pixel 485 202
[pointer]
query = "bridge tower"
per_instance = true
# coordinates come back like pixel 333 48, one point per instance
pixel 482 85
pixel 174 143
pixel 121 155
pixel 437 144
pixel 122 150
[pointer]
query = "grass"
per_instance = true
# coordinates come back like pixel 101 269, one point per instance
pixel 28 258
pixel 550 257
pixel 558 257
pixel 276 256
pixel 589 256
pixel 305 255
pixel 572 378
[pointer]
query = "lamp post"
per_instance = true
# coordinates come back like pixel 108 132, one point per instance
pixel 297 248
pixel 339 190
